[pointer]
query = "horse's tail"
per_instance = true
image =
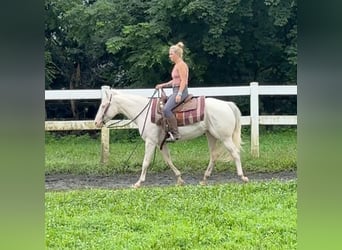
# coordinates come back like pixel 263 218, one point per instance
pixel 237 130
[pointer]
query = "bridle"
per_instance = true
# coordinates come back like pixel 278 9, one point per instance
pixel 105 109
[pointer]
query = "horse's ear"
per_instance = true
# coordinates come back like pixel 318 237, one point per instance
pixel 104 91
pixel 107 94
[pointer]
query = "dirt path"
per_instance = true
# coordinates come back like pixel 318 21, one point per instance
pixel 167 178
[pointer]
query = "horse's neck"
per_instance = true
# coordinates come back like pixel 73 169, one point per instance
pixel 131 105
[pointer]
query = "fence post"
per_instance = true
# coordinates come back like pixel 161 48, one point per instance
pixel 254 107
pixel 104 137
pixel 104 145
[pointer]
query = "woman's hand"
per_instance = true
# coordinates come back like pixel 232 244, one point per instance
pixel 159 86
pixel 178 99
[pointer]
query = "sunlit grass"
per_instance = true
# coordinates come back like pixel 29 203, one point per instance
pixel 257 215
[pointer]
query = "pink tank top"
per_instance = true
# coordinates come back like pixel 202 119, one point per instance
pixel 175 77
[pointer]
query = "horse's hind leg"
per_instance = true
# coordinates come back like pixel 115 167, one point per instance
pixel 212 145
pixel 233 150
pixel 167 157
pixel 149 150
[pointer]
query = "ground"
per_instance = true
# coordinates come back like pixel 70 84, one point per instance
pixel 167 178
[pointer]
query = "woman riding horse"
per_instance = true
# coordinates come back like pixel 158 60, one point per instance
pixel 179 83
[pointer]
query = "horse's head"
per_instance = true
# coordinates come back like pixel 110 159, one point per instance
pixel 106 110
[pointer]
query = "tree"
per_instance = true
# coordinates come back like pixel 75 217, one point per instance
pixel 124 43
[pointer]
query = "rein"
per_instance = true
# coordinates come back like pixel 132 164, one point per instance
pixel 143 129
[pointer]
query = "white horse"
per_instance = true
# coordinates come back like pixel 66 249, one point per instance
pixel 221 122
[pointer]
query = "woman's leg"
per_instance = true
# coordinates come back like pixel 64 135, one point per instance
pixel 170 118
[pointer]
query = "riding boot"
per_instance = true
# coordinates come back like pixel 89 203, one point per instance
pixel 172 129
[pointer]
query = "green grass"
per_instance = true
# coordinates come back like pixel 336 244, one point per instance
pixel 278 151
pixel 257 215
pixel 81 154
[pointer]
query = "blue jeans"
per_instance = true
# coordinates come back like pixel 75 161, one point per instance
pixel 171 101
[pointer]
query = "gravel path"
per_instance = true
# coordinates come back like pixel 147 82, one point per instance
pixel 167 178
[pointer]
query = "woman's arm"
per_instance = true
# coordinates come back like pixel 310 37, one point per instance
pixel 183 74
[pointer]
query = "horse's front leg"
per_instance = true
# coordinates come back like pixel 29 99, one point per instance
pixel 149 150
pixel 167 157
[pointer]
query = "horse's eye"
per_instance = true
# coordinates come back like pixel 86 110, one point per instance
pixel 103 106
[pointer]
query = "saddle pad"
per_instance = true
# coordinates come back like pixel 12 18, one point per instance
pixel 186 113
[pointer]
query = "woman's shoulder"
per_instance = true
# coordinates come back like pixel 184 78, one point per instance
pixel 182 64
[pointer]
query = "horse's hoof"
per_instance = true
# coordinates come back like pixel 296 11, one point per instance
pixel 136 185
pixel 180 182
pixel 203 183
pixel 244 178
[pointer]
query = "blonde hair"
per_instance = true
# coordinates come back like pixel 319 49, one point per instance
pixel 178 49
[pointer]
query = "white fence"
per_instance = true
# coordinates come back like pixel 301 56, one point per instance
pixel 254 119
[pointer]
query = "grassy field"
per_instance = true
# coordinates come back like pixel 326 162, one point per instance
pixel 81 154
pixel 257 215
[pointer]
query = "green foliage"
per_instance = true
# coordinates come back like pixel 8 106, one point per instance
pixel 81 154
pixel 124 43
pixel 142 58
pixel 50 70
pixel 257 215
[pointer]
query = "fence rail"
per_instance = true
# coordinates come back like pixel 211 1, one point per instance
pixel 254 90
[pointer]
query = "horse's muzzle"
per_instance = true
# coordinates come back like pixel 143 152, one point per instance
pixel 99 124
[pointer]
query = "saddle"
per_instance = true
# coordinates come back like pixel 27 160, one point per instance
pixel 190 111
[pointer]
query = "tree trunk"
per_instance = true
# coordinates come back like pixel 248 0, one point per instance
pixel 74 83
